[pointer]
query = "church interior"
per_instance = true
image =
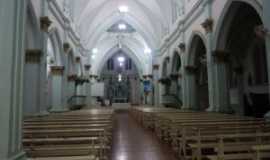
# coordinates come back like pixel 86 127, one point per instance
pixel 135 79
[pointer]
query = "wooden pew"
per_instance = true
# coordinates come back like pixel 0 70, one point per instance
pixel 74 135
pixel 261 151
pixel 191 132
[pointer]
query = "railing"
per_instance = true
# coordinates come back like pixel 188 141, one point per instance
pixel 77 102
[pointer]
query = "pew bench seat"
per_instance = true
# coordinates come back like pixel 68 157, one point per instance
pixel 89 157
pixel 66 150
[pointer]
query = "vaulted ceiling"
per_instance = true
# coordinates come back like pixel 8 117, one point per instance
pixel 149 18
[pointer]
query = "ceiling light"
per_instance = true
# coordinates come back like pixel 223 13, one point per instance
pixel 121 59
pixel 122 27
pixel 123 9
pixel 147 50
pixel 93 56
pixel 95 51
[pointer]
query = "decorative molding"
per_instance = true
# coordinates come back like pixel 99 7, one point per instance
pixel 221 55
pixel 208 25
pixel 57 70
pixel 45 23
pixel 33 55
pixel 191 69
pixel 182 47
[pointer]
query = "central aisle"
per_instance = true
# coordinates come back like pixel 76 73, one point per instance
pixel 132 142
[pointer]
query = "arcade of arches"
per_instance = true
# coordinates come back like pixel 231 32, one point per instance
pixel 187 55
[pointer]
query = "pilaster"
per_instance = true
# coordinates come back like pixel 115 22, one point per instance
pixel 57 89
pixel 88 86
pixel 45 24
pixel 190 78
pixel 12 32
pixel 156 85
pixel 266 22
pixel 32 81
pixel 208 27
pixel 220 58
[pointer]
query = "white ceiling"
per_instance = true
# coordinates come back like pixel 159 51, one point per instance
pixel 150 18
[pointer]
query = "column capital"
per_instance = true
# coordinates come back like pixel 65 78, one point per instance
pixel 72 77
pixel 78 59
pixel 191 69
pixel 261 31
pixel 81 80
pixel 45 23
pixel 208 25
pixel 165 81
pixel 57 70
pixel 148 77
pixel 175 76
pixel 221 55
pixel 155 67
pixel 87 67
pixel 182 47
pixel 66 47
pixel 167 59
pixel 93 76
pixel 238 70
pixel 33 55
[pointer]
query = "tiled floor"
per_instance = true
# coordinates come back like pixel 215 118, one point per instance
pixel 132 142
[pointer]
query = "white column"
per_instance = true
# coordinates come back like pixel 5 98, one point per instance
pixel 88 87
pixel 173 87
pixel 191 93
pixel 151 94
pixel 93 80
pixel 43 99
pixel 222 88
pixel 32 85
pixel 12 32
pixel 208 26
pixel 266 22
pixel 57 89
pixel 156 85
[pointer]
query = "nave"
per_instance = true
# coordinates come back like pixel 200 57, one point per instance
pixel 207 59
pixel 133 142
pixel 146 133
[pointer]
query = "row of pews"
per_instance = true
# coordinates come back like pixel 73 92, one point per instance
pixel 78 135
pixel 205 135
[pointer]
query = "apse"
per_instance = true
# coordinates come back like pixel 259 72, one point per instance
pixel 121 79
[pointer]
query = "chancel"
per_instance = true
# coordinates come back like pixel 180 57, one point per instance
pixel 135 79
